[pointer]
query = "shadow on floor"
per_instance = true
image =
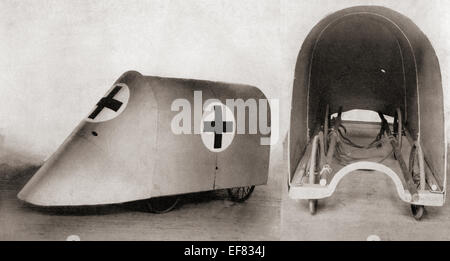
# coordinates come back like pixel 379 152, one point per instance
pixel 12 179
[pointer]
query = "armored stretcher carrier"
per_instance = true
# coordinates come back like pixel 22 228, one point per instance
pixel 368 58
pixel 126 150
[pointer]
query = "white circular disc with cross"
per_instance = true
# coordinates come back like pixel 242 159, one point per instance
pixel 218 127
pixel 111 105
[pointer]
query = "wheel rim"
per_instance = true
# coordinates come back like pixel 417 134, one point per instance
pixel 240 193
pixel 162 204
pixel 417 211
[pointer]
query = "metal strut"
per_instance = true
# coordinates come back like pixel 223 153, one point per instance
pixel 329 149
pixel 398 155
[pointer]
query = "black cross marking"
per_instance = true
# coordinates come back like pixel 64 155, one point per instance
pixel 107 102
pixel 218 127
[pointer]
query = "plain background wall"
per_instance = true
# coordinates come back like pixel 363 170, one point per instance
pixel 57 58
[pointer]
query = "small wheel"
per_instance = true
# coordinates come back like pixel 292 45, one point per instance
pixel 240 194
pixel 312 206
pixel 417 211
pixel 161 205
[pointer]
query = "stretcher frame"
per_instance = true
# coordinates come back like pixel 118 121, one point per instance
pixel 315 165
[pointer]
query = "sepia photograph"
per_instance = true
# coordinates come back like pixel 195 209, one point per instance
pixel 238 121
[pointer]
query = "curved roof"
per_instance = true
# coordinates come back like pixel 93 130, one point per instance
pixel 369 57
